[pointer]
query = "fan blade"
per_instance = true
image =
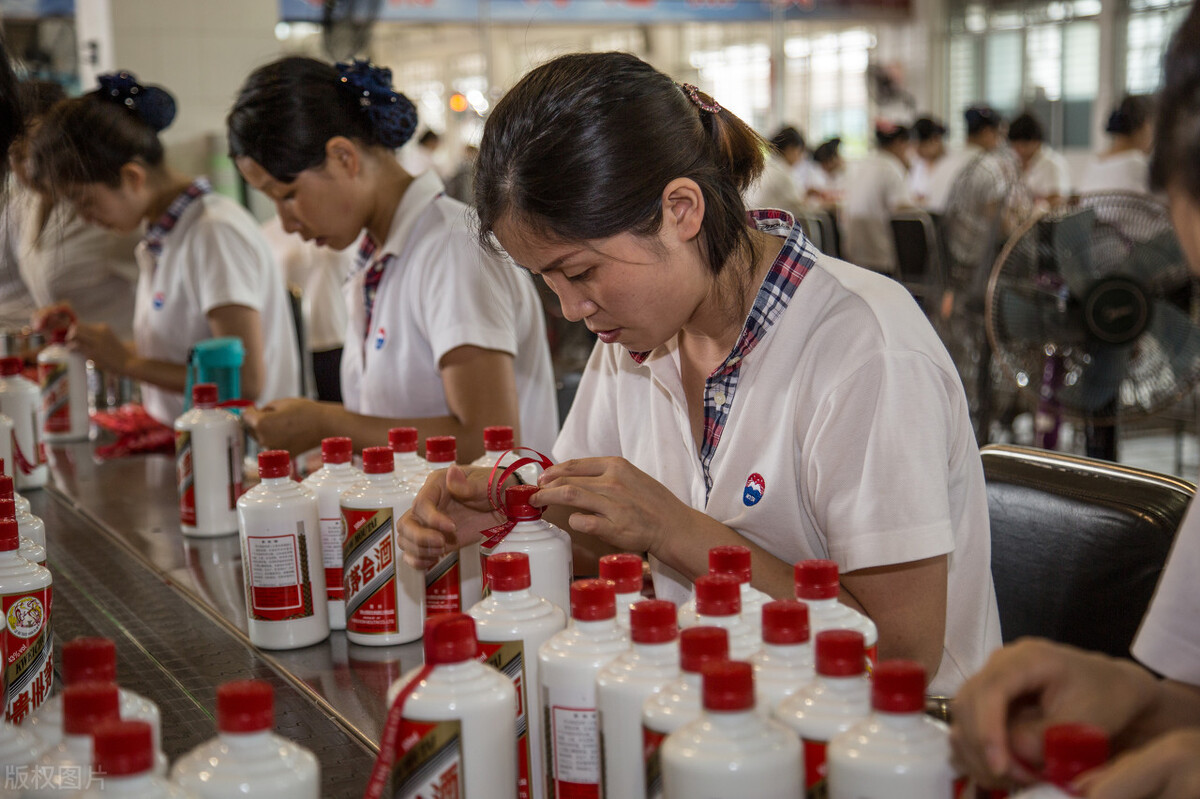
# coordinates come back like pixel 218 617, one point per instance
pixel 1097 390
pixel 1067 242
pixel 1167 360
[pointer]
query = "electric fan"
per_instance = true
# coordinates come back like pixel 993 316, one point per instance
pixel 1093 310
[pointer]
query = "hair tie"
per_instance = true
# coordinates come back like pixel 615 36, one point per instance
pixel 694 95
pixel 392 115
pixel 151 104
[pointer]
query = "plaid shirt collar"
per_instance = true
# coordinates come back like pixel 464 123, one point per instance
pixel 157 233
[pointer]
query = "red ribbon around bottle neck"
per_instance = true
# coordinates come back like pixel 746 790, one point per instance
pixel 494 535
pixel 382 770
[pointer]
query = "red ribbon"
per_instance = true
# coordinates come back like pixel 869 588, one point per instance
pixel 386 758
pixel 494 535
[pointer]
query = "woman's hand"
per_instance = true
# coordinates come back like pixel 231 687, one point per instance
pixel 54 317
pixel 100 344
pixel 449 512
pixel 1166 768
pixel 294 424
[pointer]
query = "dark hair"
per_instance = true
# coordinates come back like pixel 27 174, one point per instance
pixel 980 118
pixel 1026 128
pixel 787 137
pixel 39 96
pixel 827 151
pixel 429 136
pixel 1176 156
pixel 887 134
pixel 927 128
pixel 583 146
pixel 1129 117
pixel 287 110
pixel 12 121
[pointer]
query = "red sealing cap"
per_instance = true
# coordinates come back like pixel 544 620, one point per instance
pixel 624 570
pixel 733 560
pixel 86 704
pixel 699 645
pixel 378 460
pixel 898 686
pixel 123 748
pixel 450 638
pixel 10 535
pixel 498 438
pixel 59 335
pixel 8 507
pixel 1072 749
pixel 89 660
pixel 516 504
pixel 11 365
pixel 840 653
pixel 785 621
pixel 204 395
pixel 728 685
pixel 337 449
pixel 274 463
pixel 245 706
pixel 403 439
pixel 653 621
pixel 441 449
pixel 6 487
pixel 817 579
pixel 508 571
pixel 3 470
pixel 718 595
pixel 593 600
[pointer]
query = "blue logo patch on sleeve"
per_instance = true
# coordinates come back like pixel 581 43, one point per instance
pixel 756 486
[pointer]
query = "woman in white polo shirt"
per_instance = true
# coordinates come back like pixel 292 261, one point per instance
pixel 204 268
pixel 441 337
pixel 746 388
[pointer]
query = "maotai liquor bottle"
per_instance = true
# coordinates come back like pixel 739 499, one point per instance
pixel 454 583
pixel 25 600
pixel 20 400
pixel 208 465
pixel 334 478
pixel 62 379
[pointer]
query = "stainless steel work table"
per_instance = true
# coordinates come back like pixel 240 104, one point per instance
pixel 175 607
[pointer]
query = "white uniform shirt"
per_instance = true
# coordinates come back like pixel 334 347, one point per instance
pixel 848 438
pixel 920 174
pixel 876 189
pixel 1125 171
pixel 776 188
pixel 443 291
pixel 1047 175
pixel 1169 639
pixel 943 175
pixel 214 256
pixel 320 273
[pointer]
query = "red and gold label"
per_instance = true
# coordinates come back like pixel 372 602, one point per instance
pixel 369 571
pixel 29 667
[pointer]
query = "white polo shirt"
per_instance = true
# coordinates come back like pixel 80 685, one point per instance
pixel 1168 640
pixel 1048 175
pixel 876 189
pixel 443 291
pixel 848 438
pixel 215 255
pixel 1125 171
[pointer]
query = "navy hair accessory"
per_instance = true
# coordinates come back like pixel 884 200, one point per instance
pixel 393 115
pixel 154 106
pixel 981 116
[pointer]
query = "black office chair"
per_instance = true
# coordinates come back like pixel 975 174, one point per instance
pixel 1077 544
pixel 296 306
pixel 811 228
pixel 918 256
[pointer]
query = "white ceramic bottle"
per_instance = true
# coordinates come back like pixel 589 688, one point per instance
pixel 25 601
pixel 512 624
pixel 28 548
pixel 208 465
pixel 1069 750
pixel 385 597
pixel 62 378
pixel 548 548
pixel 624 571
pixel 568 664
pixel 719 604
pixel 734 560
pixel 19 748
pixel 247 758
pixel 838 698
pixel 281 559
pixel 30 526
pixel 20 400
pixel 6 450
pixel 622 688
pixel 897 752
pixel 68 765
pixel 451 705
pixel 23 505
pixel 818 586
pixel 497 441
pixel 454 583
pixel 411 468
pixel 336 475
pixel 731 751
pixel 123 757
pixel 784 665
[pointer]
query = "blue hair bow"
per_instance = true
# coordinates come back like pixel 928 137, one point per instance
pixel 154 106
pixel 393 115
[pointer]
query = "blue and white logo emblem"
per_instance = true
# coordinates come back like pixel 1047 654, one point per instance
pixel 756 486
pixel 380 338
pixel 159 300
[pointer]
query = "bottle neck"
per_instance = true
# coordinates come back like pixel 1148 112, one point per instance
pixel 657 652
pixel 732 717
pixel 440 464
pixel 338 467
pixel 820 604
pixel 245 740
pixel 718 621
pixel 380 477
pixel 788 651
pixel 276 482
pixel 595 627
pixel 405 456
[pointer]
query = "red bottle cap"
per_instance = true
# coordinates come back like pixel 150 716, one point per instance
pixel 840 653
pixel 8 507
pixel 204 395
pixel 3 467
pixel 593 600
pixel 699 645
pixel 508 571
pixel 516 504
pixel 87 704
pixel 11 365
pixel 624 570
pixel 378 460
pixel 6 486
pixel 245 706
pixel 337 449
pixel 728 685
pixel 784 622
pixel 733 560
pixel 89 660
pixel 498 438
pixel 653 621
pixel 59 335
pixel 817 579
pixel 441 449
pixel 1072 749
pixel 403 439
pixel 450 638
pixel 123 748
pixel 10 535
pixel 898 686
pixel 274 463
pixel 718 595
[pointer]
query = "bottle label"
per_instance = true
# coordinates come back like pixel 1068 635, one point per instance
pixel 369 571
pixel 815 769
pixel 652 761
pixel 36 456
pixel 29 667
pixel 331 556
pixel 443 589
pixel 508 657
pixel 572 751
pixel 278 585
pixel 429 761
pixel 872 657
pixel 233 463
pixel 185 477
pixel 56 397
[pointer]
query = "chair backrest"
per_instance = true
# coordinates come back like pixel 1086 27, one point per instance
pixel 296 305
pixel 811 228
pixel 1077 544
